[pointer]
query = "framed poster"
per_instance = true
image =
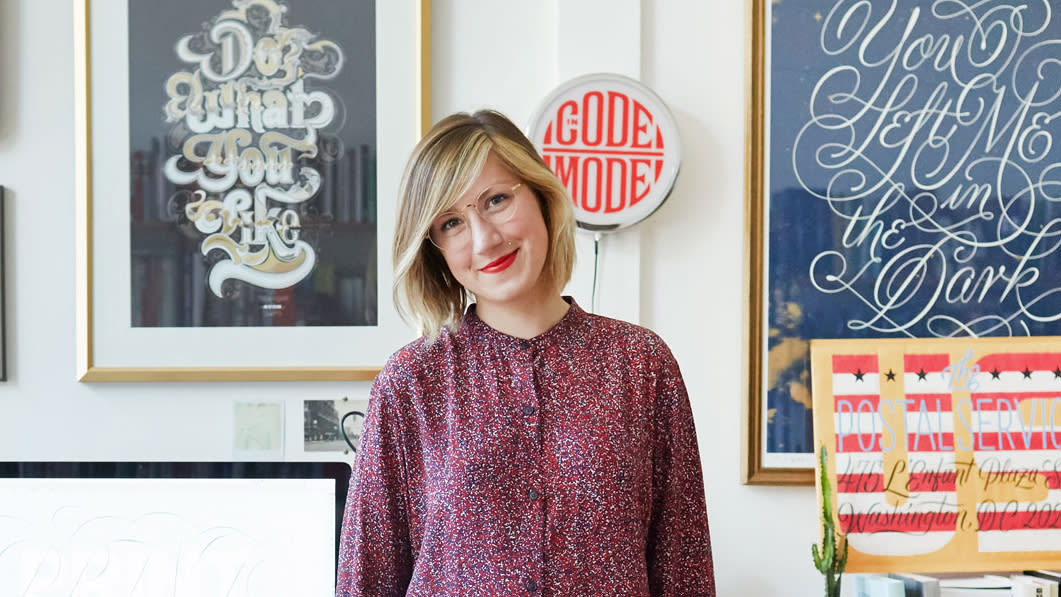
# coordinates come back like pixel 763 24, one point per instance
pixel 944 455
pixel 903 181
pixel 237 164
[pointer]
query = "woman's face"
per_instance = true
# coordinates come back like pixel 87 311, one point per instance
pixel 500 263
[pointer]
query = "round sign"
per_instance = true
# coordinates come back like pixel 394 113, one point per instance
pixel 613 144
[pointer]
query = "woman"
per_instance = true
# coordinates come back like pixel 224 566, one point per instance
pixel 521 446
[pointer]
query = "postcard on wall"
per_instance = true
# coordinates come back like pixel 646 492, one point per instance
pixel 258 431
pixel 944 454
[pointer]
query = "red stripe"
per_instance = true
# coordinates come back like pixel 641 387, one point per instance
pixel 849 443
pixel 932 402
pixel 1035 361
pixel 852 402
pixel 850 363
pixel 985 443
pixel 990 403
pixel 925 442
pixel 992 441
pixel 913 363
pixel 1048 518
pixel 929 442
pixel 912 522
pixel 940 481
pixel 876 483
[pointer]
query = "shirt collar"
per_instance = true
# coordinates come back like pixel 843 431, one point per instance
pixel 473 328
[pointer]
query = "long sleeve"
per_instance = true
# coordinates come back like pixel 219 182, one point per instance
pixel 679 544
pixel 375 555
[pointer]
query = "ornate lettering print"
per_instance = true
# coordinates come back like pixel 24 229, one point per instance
pixel 914 179
pixel 245 120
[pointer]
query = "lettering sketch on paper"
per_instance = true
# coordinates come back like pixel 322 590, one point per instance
pixel 180 537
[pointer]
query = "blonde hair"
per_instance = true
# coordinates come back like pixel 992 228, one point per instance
pixel 441 168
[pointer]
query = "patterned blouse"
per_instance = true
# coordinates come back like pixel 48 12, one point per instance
pixel 562 465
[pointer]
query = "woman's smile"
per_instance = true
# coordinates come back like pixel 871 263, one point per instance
pixel 500 265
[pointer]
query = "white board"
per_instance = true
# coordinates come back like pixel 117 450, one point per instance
pixel 174 537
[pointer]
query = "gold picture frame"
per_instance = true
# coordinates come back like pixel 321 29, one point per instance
pixel 753 469
pixel 316 354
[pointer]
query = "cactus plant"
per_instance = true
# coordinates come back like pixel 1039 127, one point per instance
pixel 832 558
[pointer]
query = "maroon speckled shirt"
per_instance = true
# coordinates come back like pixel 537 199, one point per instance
pixel 562 465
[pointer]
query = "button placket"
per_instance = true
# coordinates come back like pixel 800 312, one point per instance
pixel 529 406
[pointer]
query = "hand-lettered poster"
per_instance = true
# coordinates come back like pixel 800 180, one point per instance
pixel 943 454
pixel 252 193
pixel 913 180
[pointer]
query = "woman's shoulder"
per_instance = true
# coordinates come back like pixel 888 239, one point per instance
pixel 624 334
pixel 417 358
pixel 615 340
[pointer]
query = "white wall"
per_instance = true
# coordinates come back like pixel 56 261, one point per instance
pixel 502 54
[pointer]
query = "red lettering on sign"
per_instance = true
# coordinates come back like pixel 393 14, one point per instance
pixel 597 123
pixel 566 169
pixel 567 122
pixel 616 177
pixel 622 125
pixel 598 188
pixel 607 150
pixel 642 122
pixel 638 170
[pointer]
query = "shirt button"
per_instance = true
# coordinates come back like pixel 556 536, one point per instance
pixel 524 344
pixel 533 494
pixel 532 586
pixel 528 410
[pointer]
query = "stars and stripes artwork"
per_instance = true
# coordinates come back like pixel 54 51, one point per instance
pixel 944 454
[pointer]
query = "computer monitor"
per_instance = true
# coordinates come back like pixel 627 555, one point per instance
pixel 170 528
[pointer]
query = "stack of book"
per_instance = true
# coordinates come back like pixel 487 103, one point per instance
pixel 1029 583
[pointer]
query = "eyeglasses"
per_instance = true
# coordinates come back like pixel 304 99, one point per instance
pixel 496 204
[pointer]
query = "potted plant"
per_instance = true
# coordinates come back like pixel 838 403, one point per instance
pixel 832 558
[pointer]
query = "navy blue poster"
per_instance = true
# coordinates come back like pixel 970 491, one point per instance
pixel 913 186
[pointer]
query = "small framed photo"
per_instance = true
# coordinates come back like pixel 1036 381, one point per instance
pixel 332 426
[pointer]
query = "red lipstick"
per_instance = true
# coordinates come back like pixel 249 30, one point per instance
pixel 501 264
